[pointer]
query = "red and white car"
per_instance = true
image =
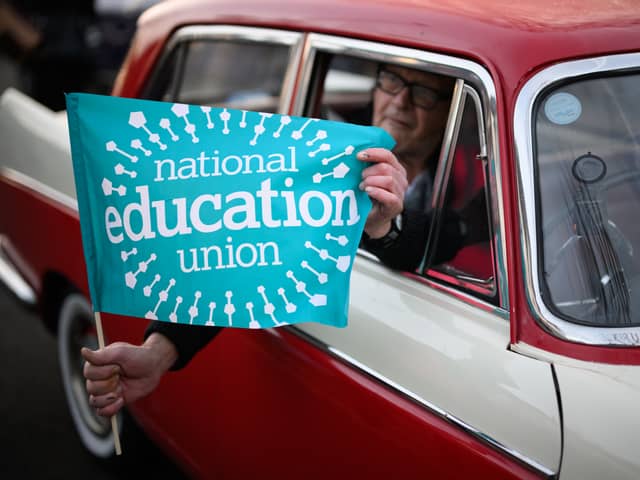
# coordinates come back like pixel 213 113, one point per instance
pixel 519 358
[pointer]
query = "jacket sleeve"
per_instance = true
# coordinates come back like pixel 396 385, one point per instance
pixel 405 252
pixel 188 339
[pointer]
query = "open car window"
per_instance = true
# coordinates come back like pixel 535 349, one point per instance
pixel 343 87
pixel 346 88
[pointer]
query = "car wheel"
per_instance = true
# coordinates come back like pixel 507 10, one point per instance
pixel 76 329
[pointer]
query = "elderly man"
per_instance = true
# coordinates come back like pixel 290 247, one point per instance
pixel 409 104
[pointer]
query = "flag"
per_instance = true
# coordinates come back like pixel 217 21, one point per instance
pixel 213 216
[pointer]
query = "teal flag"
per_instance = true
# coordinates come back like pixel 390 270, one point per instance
pixel 212 216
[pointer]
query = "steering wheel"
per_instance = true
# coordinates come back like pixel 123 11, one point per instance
pixel 612 258
pixel 597 193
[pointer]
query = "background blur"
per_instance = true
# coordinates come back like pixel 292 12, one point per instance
pixel 49 47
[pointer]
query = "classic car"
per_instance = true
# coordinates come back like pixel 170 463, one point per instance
pixel 517 358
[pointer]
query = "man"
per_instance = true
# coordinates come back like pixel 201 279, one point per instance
pixel 409 104
pixel 412 106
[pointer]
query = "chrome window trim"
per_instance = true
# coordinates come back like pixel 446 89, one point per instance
pixel 13 280
pixel 462 91
pixel 482 141
pixel 445 165
pixel 461 295
pixel 294 40
pixel 472 74
pixel 415 398
pixel 39 187
pixel 523 138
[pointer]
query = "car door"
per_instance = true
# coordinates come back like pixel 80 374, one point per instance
pixel 421 382
pixel 440 335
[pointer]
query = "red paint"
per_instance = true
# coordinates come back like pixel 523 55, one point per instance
pixel 287 409
pixel 44 234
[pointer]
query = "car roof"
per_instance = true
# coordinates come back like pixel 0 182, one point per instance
pixel 511 38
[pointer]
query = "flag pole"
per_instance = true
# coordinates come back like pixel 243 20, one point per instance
pixel 114 422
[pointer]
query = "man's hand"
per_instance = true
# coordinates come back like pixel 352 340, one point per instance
pixel 121 373
pixel 386 183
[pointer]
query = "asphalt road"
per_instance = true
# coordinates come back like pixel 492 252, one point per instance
pixel 37 436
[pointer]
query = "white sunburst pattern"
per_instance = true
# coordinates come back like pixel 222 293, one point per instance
pixel 181 110
pixel 259 128
pixel 120 169
pixel 210 321
pixel 163 296
pixel 108 188
pixel 261 310
pixel 284 121
pixel 165 124
pixel 229 307
pixel 193 309
pixel 112 146
pixel 136 144
pixel 207 111
pixel 124 254
pixel 225 116
pixel 243 120
pixel 139 120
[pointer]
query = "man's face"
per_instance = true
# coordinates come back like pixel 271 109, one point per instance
pixel 416 130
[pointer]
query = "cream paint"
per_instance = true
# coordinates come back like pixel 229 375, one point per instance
pixel 40 136
pixel 602 424
pixel 452 355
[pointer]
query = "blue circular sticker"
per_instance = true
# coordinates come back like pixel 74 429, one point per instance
pixel 562 108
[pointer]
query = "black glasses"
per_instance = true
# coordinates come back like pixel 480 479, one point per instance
pixel 419 95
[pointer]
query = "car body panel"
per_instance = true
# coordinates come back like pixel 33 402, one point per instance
pixel 306 406
pixel 598 426
pixel 446 352
pixel 28 197
pixel 35 255
pixel 480 27
pixel 39 135
pixel 426 380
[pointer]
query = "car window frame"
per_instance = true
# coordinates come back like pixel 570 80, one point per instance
pixel 256 35
pixel 473 78
pixel 486 288
pixel 523 127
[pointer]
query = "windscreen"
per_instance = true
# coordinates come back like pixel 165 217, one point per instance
pixel 587 146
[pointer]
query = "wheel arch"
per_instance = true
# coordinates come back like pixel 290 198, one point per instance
pixel 54 288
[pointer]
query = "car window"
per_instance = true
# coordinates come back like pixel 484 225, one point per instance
pixel 587 153
pixel 344 93
pixel 242 74
pixel 346 89
pixel 233 74
pixel 471 267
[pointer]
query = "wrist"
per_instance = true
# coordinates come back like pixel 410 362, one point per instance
pixel 163 350
pixel 378 231
pixel 387 236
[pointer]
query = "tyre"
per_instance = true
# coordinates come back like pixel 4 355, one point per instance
pixel 76 329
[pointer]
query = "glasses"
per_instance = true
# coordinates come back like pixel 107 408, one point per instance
pixel 419 95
